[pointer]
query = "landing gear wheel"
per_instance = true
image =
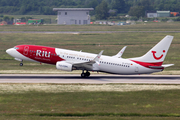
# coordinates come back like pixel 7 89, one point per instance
pixel 87 74
pixel 83 75
pixel 21 64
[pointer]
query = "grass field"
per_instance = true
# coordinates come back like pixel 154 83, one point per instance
pixel 138 27
pixel 58 101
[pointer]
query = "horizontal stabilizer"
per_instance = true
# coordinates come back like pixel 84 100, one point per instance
pixel 167 65
pixel 156 67
pixel 161 67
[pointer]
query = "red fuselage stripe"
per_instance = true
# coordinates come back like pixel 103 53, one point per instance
pixel 145 64
pixel 39 53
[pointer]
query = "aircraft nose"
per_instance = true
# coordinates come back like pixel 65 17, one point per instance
pixel 9 51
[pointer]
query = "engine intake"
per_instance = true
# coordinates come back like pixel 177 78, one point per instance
pixel 63 65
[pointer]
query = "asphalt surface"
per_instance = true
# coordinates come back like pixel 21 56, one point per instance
pixel 93 79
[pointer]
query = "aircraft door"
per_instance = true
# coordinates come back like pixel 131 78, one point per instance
pixel 136 69
pixel 26 49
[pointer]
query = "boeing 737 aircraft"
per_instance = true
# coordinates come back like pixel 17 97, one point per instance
pixel 69 60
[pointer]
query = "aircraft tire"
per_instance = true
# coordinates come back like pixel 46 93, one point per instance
pixel 83 75
pixel 21 64
pixel 87 74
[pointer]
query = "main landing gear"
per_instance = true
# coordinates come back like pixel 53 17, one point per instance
pixel 83 75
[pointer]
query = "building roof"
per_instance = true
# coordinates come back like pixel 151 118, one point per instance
pixel 73 9
pixel 163 11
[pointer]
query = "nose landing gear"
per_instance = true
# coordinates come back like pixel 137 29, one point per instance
pixel 21 64
pixel 83 75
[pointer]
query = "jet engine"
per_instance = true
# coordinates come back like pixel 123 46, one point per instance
pixel 63 65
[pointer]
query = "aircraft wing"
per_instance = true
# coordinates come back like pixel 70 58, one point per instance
pixel 87 65
pixel 120 53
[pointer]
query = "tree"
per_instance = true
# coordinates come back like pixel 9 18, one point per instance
pixel 118 5
pixel 147 4
pixel 102 11
pixel 6 18
pixel 178 19
pixel 137 11
pixel 11 18
pixel 3 3
pixel 23 10
pixel 93 4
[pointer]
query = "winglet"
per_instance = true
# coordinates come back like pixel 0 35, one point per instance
pixel 96 59
pixel 120 53
pixel 98 56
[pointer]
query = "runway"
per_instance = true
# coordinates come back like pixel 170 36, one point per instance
pixel 93 79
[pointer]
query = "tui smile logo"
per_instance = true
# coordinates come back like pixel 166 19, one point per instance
pixel 155 57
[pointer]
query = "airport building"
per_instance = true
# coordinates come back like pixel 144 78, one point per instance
pixel 154 14
pixel 151 14
pixel 163 13
pixel 70 16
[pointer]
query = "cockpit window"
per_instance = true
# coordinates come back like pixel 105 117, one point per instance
pixel 16 48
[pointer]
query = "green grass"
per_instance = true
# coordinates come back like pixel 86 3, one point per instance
pixel 139 104
pixel 138 27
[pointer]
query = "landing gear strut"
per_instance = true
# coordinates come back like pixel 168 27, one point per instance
pixel 83 75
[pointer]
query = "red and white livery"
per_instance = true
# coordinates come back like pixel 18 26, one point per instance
pixel 69 60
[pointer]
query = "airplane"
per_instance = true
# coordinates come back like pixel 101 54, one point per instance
pixel 69 60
